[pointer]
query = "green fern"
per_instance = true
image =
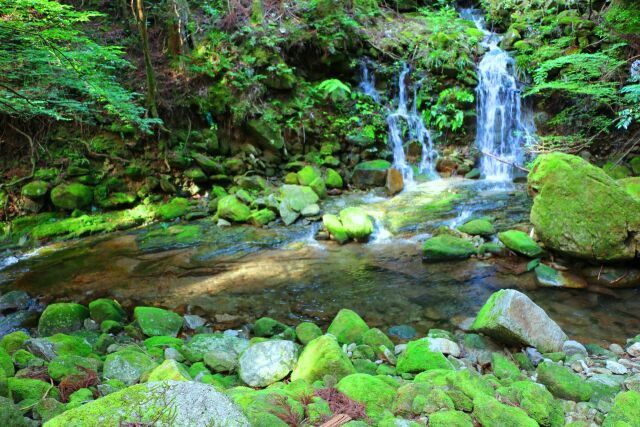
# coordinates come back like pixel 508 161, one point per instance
pixel 334 89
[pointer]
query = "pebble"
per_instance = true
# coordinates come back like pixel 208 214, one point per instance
pixel 571 348
pixel 634 350
pixel 223 223
pixel 577 366
pixel 616 348
pixel 616 368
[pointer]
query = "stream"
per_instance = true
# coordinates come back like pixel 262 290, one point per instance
pixel 234 275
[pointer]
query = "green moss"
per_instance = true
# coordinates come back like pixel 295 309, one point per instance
pixel 262 217
pixel 35 189
pixel 6 363
pixel 450 419
pixel 22 358
pixel 71 196
pixel 307 175
pixel 268 327
pixel 536 400
pixel 162 342
pixel 333 179
pixel 169 370
pixel 616 171
pixel 477 227
pixel 491 413
pixel 232 209
pixel 376 338
pixel 446 248
pixel 356 223
pixel 631 186
pixel 62 317
pixel 319 187
pixel 67 345
pixel 334 226
pixel 13 341
pixel 563 383
pixel 175 208
pixel 520 242
pixel 373 392
pixel 127 365
pixel 106 309
pixel 62 366
pixel 30 389
pixel 156 321
pixel 322 356
pixel 503 367
pixel 379 165
pixel 418 357
pixel 348 327
pixel 625 411
pixel 307 331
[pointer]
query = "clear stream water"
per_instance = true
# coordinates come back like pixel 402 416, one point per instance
pixel 235 275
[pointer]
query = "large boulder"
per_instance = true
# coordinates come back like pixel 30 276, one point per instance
pixel 631 186
pixel 512 318
pixel 266 362
pixel 232 209
pixel 127 365
pixel 322 356
pixel 348 327
pixel 178 403
pixel 71 196
pixel 62 317
pixel 581 211
pixel 156 321
pixel 371 174
pixel 293 199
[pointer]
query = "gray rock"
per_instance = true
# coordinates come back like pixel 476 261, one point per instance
pixel 572 348
pixel 310 210
pixel 266 362
pixel 14 300
pixel 127 366
pixel 444 346
pixel 42 348
pixel 201 344
pixel 171 353
pixel 512 318
pixel 633 383
pixel 91 325
pixel 14 321
pixel 634 350
pixel 616 367
pixel 534 356
pixel 193 321
pixel 177 403
pixel 616 348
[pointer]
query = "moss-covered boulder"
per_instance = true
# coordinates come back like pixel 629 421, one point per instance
pixel 31 389
pixel 13 341
pixel 375 338
pixel 419 357
pixel 178 403
pixel 478 227
pixel 491 413
pixel 62 366
pixel 503 368
pixel 322 356
pixel 268 327
pixel 625 411
pixel 563 383
pixel 450 419
pixel 512 318
pixel 370 174
pixel 445 247
pixel 631 186
pixel 376 394
pixel 293 199
pixel 333 179
pixel 536 400
pixel 266 134
pixel 169 370
pixel 35 189
pixel 106 309
pixel 520 242
pixel 580 211
pixel 262 217
pixel 307 175
pixel 156 321
pixel 232 209
pixel 335 228
pixel 348 327
pixel 175 208
pixel 356 223
pixel 10 414
pixel 307 331
pixel 127 365
pixel 71 196
pixel 62 317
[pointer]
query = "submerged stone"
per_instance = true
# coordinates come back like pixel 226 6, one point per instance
pixel 580 211
pixel 446 248
pixel 511 317
pixel 176 403
pixel 550 277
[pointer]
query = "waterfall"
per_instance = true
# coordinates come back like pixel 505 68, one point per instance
pixel 503 125
pixel 368 83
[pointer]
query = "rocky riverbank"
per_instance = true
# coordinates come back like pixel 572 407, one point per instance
pixel 513 365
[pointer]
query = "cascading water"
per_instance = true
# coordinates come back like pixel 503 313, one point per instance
pixel 504 125
pixel 397 120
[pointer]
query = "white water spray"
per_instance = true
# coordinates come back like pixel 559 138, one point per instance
pixel 504 126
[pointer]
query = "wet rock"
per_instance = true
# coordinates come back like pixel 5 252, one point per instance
pixel 511 317
pixel 127 366
pixel 370 174
pixel 203 344
pixel 616 368
pixel 335 228
pixel 550 277
pixel 322 356
pixel 294 198
pixel 444 346
pixel 446 248
pixel 394 182
pixel 573 348
pixel 61 318
pixel 193 321
pixel 580 211
pixel 520 242
pixel 189 403
pixel 14 300
pixel 477 227
pixel 473 174
pixel 356 223
pixel 310 210
pixel 232 209
pixel 612 276
pixel 404 332
pixel 71 196
pixel 264 363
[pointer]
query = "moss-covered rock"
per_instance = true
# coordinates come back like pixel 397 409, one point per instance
pixel 478 227
pixel 580 211
pixel 491 413
pixel 335 228
pixel 268 327
pixel 262 217
pixel 10 414
pixel 445 247
pixel 264 363
pixel 232 209
pixel 67 345
pixel 307 331
pixel 31 389
pixel 322 356
pixel 35 189
pixel 356 223
pixel 450 419
pixel 333 179
pixel 563 383
pixel 348 327
pixel 375 338
pixel 169 370
pixel 62 366
pixel 370 174
pixel 175 208
pixel 307 175
pixel 520 242
pixel 536 400
pixel 106 309
pixel 156 321
pixel 127 365
pixel 549 277
pixel 625 411
pixel 418 357
pixel 319 187
pixel 504 368
pixel 294 198
pixel 6 363
pixel 376 394
pixel 71 196
pixel 13 341
pixel 61 318
pixel 631 186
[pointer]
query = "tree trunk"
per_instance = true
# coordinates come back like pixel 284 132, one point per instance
pixel 138 11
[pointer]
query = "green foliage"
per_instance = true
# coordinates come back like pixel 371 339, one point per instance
pixel 50 68
pixel 449 110
pixel 334 89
